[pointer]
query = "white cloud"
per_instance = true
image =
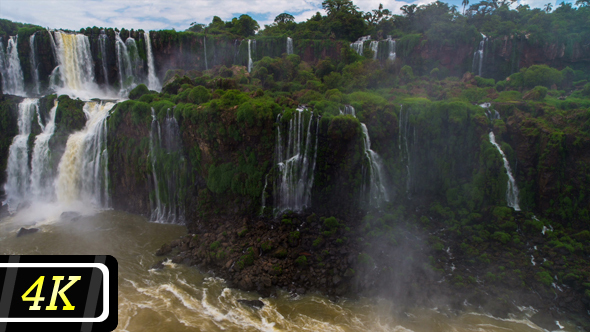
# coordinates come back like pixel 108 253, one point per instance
pixel 160 14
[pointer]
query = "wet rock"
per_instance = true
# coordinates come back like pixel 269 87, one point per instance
pixel 164 250
pixel 545 320
pixel 69 215
pixel 25 231
pixel 158 266
pixel 252 303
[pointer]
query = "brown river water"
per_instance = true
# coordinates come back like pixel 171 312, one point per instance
pixel 182 298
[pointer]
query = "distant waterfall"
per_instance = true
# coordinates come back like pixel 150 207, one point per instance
pixel 102 40
pixel 405 146
pixel 478 56
pixel 249 56
pixel 18 173
pixel 153 82
pixel 76 68
pixel 263 198
pixel 359 45
pixel 33 61
pixel 289 45
pixel 375 48
pixel 373 190
pixel 12 74
pixel 168 168
pixel 391 44
pixel 296 164
pixel 83 169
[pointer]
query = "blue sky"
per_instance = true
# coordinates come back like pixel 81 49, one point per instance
pixel 177 14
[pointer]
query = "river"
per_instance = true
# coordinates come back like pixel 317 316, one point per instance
pixel 182 298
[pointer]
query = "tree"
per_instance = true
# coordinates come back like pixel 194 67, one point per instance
pixel 378 15
pixel 284 18
pixel 244 26
pixel 333 7
pixel 465 3
pixel 548 7
pixel 409 10
pixel 583 3
pixel 196 27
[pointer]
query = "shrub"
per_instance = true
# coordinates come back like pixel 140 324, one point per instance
pixel 138 91
pixel 301 261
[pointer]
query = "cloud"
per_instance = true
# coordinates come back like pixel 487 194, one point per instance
pixel 160 14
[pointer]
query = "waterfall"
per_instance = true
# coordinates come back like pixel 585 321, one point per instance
pixel 263 199
pixel 404 146
pixel 249 56
pixel 83 169
pixel 374 187
pixel 17 169
pixel 76 68
pixel 478 56
pixel 125 65
pixel 289 45
pixel 359 45
pixel 205 46
pixel 168 167
pixel 42 176
pixel 511 190
pixel 102 40
pixel 391 44
pixel 12 74
pixel 375 49
pixel 33 61
pixel 296 164
pixel 153 82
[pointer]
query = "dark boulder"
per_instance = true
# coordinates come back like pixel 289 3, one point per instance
pixel 25 231
pixel 252 303
pixel 70 215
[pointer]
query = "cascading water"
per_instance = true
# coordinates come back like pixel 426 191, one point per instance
pixel 153 82
pixel 478 56
pixel 42 174
pixel 76 68
pixel 404 145
pixel 125 64
pixel 249 55
pixel 12 74
pixel 511 188
pixel 296 164
pixel 391 44
pixel 359 45
pixel 375 49
pixel 102 41
pixel 18 173
pixel 374 189
pixel 83 169
pixel 289 45
pixel 33 61
pixel 168 168
pixel 263 198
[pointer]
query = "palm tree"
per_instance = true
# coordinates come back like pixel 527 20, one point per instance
pixel 548 7
pixel 465 3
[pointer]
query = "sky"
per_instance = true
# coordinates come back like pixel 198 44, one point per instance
pixel 177 14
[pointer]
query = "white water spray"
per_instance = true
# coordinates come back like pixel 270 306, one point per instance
pixel 512 189
pixel 33 61
pixel 375 48
pixel 76 68
pixel 478 56
pixel 18 173
pixel 83 169
pixel 102 40
pixel 296 164
pixel 42 173
pixel 12 74
pixel 391 44
pixel 374 189
pixel 289 45
pixel 153 82
pixel 359 45
pixel 250 63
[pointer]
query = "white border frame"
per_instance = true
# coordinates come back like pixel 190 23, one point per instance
pixel 105 293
